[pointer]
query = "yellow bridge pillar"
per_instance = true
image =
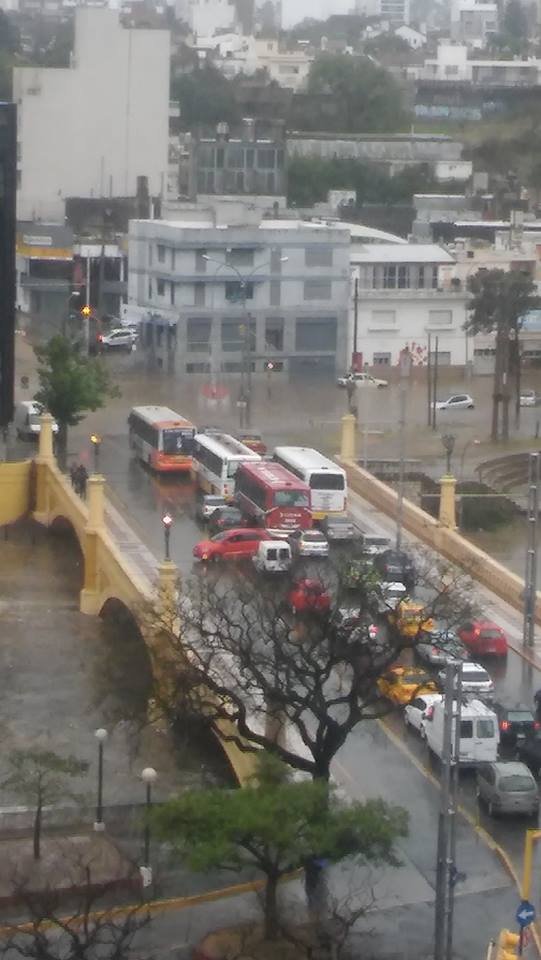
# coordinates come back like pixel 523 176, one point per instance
pixel 90 594
pixel 44 460
pixel 349 431
pixel 447 516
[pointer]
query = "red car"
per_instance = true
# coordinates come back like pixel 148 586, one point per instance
pixel 233 544
pixel 483 638
pixel 309 595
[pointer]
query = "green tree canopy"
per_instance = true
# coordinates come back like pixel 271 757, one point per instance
pixel 70 383
pixel 500 297
pixel 368 99
pixel 275 828
pixel 206 98
pixel 311 178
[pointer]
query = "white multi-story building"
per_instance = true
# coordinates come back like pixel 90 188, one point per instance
pixel 452 63
pixel 395 12
pixel 402 298
pixel 205 291
pixel 207 17
pixel 234 54
pixel 92 129
pixel 473 22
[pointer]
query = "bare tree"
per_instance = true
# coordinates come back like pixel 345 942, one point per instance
pixel 231 652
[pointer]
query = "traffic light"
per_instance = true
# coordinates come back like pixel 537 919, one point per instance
pixel 86 310
pixel 508 945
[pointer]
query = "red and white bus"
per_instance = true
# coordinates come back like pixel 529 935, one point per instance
pixel 274 497
pixel 161 438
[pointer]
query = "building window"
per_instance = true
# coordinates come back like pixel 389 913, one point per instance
pixel 383 319
pixel 237 292
pixel 220 158
pixel 440 318
pixel 389 276
pixel 198 332
pixel 173 259
pixel 434 283
pixel 160 287
pixel 317 289
pixel 198 368
pixel 250 158
pixel 274 333
pixel 161 253
pixel 235 336
pixel 314 335
pixel 318 256
pixel 238 257
pixel 150 289
pixel 275 298
pixel 235 158
pixel 444 358
pixel 172 293
pixel 199 294
pixel 421 277
pixel 266 158
pixel 381 360
pixel 403 277
pixel 200 262
pixel 276 260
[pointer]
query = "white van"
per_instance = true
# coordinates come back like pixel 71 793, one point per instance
pixel 26 419
pixel 273 556
pixel 479 732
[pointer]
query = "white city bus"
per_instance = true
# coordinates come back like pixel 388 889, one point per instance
pixel 215 460
pixel 161 438
pixel 327 481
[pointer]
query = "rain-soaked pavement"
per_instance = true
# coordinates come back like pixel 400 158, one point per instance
pixel 63 675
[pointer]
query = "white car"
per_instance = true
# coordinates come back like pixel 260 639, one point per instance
pixel 309 543
pixel 361 380
pixel 459 401
pixel 121 338
pixel 414 712
pixel 475 679
pixel 529 398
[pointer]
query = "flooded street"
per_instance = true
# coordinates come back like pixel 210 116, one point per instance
pixel 63 674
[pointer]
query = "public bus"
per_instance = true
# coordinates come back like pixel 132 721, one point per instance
pixel 273 497
pixel 161 438
pixel 216 459
pixel 327 481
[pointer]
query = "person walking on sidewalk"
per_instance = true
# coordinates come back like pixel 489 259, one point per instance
pixel 81 480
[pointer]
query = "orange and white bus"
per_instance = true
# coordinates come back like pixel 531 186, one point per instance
pixel 161 438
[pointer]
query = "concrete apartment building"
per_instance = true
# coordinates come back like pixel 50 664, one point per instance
pixel 197 285
pixel 92 129
pixel 403 297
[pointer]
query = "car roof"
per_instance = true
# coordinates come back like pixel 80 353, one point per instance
pixel 510 767
pixel 486 624
pixel 471 666
pixel 509 705
pixel 229 533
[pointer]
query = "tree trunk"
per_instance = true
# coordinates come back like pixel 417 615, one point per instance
pixel 37 831
pixel 271 907
pixel 505 386
pixel 518 375
pixel 496 391
pixel 62 445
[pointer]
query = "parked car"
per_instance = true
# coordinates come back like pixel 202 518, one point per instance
pixel 309 543
pixel 236 544
pixel 438 646
pixel 26 419
pixel 402 684
pixel 207 504
pixel 397 566
pixel 475 679
pixel 415 712
pixel 516 721
pixel 273 556
pixel 122 338
pixel 529 750
pixel 459 401
pixel 309 595
pixel 478 735
pixel 253 440
pixel 226 518
pixel 483 638
pixel 507 786
pixel 529 398
pixel 361 380
pixel 339 528
pixel 373 543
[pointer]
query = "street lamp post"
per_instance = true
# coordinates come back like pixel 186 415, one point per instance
pixel 101 737
pixel 167 521
pixel 448 441
pixel 405 368
pixel 148 776
pixel 65 318
pixel 95 440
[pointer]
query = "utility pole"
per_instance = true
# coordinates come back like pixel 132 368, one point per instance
pixel 530 578
pixel 405 367
pixel 429 381
pixel 445 867
pixel 452 872
pixel 355 321
pixel 435 384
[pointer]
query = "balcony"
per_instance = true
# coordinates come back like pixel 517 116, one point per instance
pixel 373 293
pixel 46 285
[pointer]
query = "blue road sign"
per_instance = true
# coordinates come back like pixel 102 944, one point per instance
pixel 525 913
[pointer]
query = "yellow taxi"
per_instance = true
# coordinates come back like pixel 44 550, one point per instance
pixel 409 618
pixel 402 684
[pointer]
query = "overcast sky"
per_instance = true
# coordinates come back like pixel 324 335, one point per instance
pixel 295 10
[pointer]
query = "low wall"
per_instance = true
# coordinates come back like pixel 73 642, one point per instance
pixel 449 543
pixel 15 490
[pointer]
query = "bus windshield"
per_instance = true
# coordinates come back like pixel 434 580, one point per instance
pixel 327 481
pixel 177 441
pixel 291 498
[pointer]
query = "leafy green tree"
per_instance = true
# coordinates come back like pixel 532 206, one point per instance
pixel 275 827
pixel 368 98
pixel 9 35
pixel 70 385
pixel 206 98
pixel 499 304
pixel 310 179
pixel 40 778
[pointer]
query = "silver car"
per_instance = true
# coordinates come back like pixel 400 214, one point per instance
pixel 208 504
pixel 507 786
pixel 309 543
